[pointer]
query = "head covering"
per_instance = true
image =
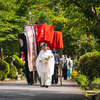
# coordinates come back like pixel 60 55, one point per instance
pixel 53 50
pixel 45 45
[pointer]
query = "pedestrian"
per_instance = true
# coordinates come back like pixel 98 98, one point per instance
pixel 29 75
pixel 57 62
pixel 64 67
pixel 62 57
pixel 68 71
pixel 45 66
pixel 71 64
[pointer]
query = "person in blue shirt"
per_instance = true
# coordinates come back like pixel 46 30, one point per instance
pixel 57 62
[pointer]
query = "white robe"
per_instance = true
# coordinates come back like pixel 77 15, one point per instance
pixel 45 71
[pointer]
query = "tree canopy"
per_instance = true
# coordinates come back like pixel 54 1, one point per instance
pixel 78 20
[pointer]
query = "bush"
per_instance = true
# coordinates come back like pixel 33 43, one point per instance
pixel 18 62
pixel 13 71
pixel 4 68
pixel 83 79
pixel 96 80
pixel 4 75
pixel 0 75
pixel 73 74
pixel 90 64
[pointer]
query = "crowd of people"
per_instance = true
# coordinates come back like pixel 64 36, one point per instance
pixel 47 66
pixel 67 66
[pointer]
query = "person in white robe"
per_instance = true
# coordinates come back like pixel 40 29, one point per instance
pixel 45 66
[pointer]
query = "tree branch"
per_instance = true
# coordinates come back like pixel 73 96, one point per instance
pixel 78 5
pixel 94 14
pixel 94 10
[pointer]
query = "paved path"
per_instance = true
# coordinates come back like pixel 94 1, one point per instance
pixel 19 90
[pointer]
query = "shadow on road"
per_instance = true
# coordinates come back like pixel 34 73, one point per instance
pixel 38 95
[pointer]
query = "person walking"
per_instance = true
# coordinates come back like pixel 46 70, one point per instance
pixel 57 62
pixel 45 66
pixel 71 64
pixel 65 63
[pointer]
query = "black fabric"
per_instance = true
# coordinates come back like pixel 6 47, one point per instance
pixel 29 75
pixel 22 37
pixel 37 78
pixel 38 50
pixel 55 76
pixel 65 74
pixel 65 70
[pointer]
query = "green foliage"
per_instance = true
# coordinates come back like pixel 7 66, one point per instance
pixel 13 71
pixel 86 44
pixel 0 75
pixel 83 79
pixel 20 71
pixel 18 62
pixel 4 75
pixel 96 80
pixel 89 64
pixel 86 94
pixel 4 68
pixel 90 11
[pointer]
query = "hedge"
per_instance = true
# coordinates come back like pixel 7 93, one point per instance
pixel 90 64
pixel 13 71
pixel 18 62
pixel 4 68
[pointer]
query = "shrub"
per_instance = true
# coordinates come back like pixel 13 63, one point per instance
pixel 13 71
pixel 4 75
pixel 0 75
pixel 96 80
pixel 73 74
pixel 90 64
pixel 4 68
pixel 18 62
pixel 83 79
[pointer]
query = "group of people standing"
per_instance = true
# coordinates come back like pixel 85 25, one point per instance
pixel 67 66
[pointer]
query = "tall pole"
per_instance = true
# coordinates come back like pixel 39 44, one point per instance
pixel 36 40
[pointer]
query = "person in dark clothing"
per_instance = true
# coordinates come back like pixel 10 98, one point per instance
pixel 65 62
pixel 23 47
pixel 29 75
pixel 57 62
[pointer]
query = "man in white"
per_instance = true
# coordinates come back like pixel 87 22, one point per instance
pixel 45 66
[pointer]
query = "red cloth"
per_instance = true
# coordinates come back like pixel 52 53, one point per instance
pixel 44 32
pixel 57 41
pixel 59 44
pixel 23 56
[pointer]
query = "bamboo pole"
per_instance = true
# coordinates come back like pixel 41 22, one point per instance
pixel 33 77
